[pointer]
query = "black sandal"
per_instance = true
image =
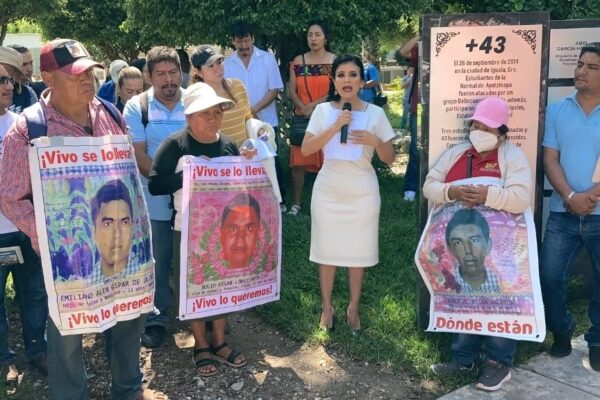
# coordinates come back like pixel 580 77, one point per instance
pixel 230 360
pixel 203 362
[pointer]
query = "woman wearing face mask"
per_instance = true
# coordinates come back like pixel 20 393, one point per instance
pixel 488 153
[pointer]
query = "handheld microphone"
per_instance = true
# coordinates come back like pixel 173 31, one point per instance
pixel 344 134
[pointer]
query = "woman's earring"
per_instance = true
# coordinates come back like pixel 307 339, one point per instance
pixel 335 92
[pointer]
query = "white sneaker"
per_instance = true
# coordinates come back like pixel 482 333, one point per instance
pixel 409 195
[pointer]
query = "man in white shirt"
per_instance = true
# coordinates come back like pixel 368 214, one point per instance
pixel 259 72
pixel 19 259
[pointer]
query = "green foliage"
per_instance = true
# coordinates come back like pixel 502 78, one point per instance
pixel 95 23
pixel 122 28
pixel 559 9
pixel 13 10
pixel 24 26
pixel 279 25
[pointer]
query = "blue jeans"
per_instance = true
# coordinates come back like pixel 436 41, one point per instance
pixel 67 378
pixel 28 280
pixel 465 348
pixel 278 168
pixel 405 114
pixel 162 249
pixel 565 234
pixel 411 178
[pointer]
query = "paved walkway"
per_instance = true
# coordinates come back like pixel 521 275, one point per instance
pixel 545 377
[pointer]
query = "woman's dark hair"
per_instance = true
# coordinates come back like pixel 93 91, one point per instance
pixel 325 30
pixel 503 129
pixel 139 63
pixel 339 60
pixel 184 59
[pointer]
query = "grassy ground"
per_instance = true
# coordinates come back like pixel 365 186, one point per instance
pixel 390 336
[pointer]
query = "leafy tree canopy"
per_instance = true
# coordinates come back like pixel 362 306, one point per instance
pixel 122 28
pixel 13 10
pixel 559 9
pixel 279 24
pixel 95 23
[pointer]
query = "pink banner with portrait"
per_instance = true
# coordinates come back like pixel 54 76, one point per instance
pixel 481 268
pixel 93 231
pixel 230 238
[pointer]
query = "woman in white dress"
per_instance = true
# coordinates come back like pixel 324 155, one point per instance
pixel 345 200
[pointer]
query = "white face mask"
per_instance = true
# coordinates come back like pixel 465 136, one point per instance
pixel 483 141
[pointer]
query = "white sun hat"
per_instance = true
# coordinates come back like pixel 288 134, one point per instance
pixel 201 96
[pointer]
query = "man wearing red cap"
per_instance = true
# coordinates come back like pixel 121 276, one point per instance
pixel 70 109
pixel 487 153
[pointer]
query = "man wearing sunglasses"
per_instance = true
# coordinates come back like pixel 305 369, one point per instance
pixel 23 95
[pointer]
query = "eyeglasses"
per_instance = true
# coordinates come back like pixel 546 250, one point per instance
pixel 5 80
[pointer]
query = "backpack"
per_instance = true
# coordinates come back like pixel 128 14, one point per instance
pixel 144 108
pixel 380 98
pixel 36 122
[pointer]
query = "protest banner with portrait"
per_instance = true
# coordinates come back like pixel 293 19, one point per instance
pixel 480 266
pixel 230 239
pixel 93 230
pixel 467 57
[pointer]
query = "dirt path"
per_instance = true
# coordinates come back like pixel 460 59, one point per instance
pixel 278 368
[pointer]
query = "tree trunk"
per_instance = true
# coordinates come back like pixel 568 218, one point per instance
pixel 3 31
pixel 370 45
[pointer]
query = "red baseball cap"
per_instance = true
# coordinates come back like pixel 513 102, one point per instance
pixel 68 55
